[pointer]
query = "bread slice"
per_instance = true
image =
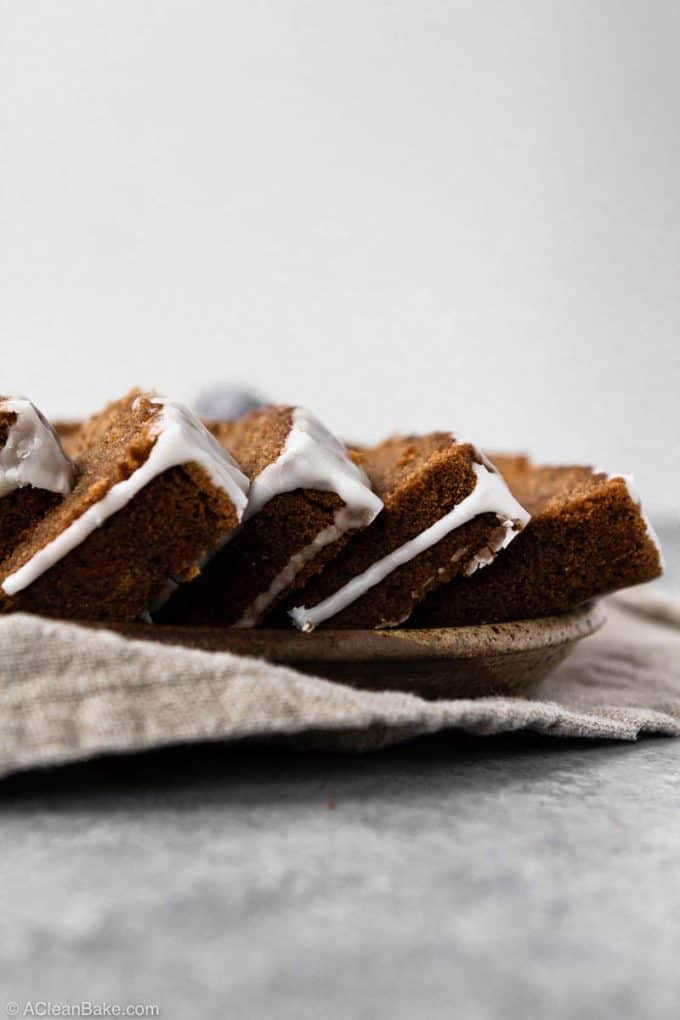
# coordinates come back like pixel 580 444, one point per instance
pixel 587 536
pixel 307 497
pixel 154 495
pixel 447 512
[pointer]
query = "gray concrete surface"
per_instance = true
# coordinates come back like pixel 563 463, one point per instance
pixel 480 878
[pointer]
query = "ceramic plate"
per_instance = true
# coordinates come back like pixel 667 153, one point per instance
pixel 455 662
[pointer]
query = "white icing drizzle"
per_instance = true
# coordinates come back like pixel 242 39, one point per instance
pixel 32 454
pixel 490 495
pixel 499 539
pixel 286 577
pixel 181 439
pixel 312 458
pixel 184 439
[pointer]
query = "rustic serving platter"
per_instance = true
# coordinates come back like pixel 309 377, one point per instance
pixel 455 662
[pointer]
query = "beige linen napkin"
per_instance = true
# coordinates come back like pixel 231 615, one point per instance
pixel 68 693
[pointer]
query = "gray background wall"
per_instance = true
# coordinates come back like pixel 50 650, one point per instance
pixel 408 214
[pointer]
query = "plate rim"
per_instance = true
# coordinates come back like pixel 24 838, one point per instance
pixel 327 645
